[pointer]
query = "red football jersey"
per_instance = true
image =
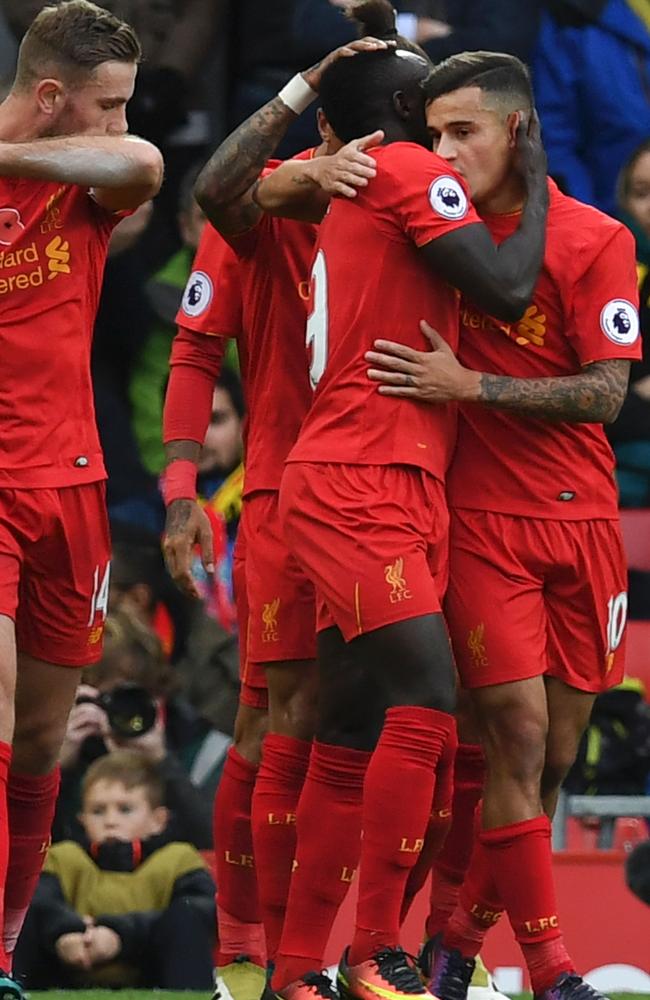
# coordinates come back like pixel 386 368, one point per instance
pixel 272 261
pixel 53 243
pixel 369 280
pixel 584 309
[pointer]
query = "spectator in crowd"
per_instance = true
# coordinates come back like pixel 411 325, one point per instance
pixel 630 434
pixel 124 905
pixel 441 27
pixel 203 652
pixel 591 72
pixel 126 700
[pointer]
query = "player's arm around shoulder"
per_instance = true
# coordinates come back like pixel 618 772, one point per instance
pixel 499 279
pixel 302 189
pixel 226 187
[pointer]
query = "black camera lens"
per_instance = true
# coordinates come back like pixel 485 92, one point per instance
pixel 130 709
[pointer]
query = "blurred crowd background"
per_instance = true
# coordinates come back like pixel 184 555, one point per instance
pixel 167 685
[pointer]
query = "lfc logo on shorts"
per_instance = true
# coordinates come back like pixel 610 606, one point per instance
pixel 395 578
pixel 270 619
pixel 476 645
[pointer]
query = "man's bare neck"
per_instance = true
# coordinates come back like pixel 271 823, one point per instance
pixel 509 198
pixel 17 121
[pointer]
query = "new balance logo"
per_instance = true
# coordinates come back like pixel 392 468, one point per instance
pixel 57 252
pixel 394 574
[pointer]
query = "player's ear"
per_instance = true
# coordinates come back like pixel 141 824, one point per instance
pixel 512 123
pixel 324 128
pixel 402 105
pixel 50 95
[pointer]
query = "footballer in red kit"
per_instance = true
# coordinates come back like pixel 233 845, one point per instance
pixel 69 174
pixel 537 599
pixel 272 257
pixel 362 501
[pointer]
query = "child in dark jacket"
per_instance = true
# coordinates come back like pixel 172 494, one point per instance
pixel 128 906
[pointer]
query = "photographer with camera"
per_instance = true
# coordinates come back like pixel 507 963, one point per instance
pixel 126 701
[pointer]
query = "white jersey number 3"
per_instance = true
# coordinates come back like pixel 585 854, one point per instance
pixel 317 324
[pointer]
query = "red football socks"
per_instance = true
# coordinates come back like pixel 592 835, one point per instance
pixel 275 800
pixel 328 825
pixel 238 911
pixel 397 796
pixel 5 760
pixel 478 907
pixel 438 827
pixel 31 801
pixel 521 861
pixel 453 861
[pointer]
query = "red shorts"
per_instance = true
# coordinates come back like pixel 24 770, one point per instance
pixel 281 608
pixel 372 538
pixel 54 570
pixel 252 679
pixel 529 596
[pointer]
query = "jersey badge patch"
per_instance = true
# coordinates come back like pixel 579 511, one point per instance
pixel 448 199
pixel 198 294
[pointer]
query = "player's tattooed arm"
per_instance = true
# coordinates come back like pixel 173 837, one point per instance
pixel 593 395
pixel 301 189
pixel 225 188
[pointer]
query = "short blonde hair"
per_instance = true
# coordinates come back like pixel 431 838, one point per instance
pixel 131 769
pixel 70 39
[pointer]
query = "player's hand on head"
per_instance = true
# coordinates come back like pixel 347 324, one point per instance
pixel 72 950
pixel 187 525
pixel 348 169
pixel 434 376
pixel 314 74
pixel 531 156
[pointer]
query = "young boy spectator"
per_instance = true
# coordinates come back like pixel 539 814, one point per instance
pixel 127 905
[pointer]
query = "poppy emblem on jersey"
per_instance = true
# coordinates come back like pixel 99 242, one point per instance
pixel 448 199
pixel 394 574
pixel 11 226
pixel 198 294
pixel 619 320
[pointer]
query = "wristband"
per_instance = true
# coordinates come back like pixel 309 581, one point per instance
pixel 297 95
pixel 179 481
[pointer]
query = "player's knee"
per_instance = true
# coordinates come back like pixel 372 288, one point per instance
pixel 36 747
pixel 558 763
pixel 515 744
pixel 251 726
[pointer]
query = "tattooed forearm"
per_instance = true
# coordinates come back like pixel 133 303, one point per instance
pixel 594 396
pixel 189 450
pixel 292 191
pixel 225 186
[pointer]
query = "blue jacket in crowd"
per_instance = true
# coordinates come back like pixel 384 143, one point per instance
pixel 593 92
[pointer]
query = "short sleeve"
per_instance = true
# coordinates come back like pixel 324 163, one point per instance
pixel 604 316
pixel 430 198
pixel 212 300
